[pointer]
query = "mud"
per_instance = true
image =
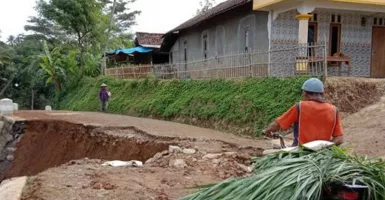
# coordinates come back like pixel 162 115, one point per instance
pixel 49 144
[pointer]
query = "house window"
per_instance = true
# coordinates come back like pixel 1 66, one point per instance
pixel 312 37
pixel 219 40
pixel 205 46
pixel 247 39
pixel 379 21
pixel 312 33
pixel 171 57
pixel 314 17
pixel 335 39
pixel 336 18
pixel 185 51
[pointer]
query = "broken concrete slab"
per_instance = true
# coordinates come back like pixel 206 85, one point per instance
pixel 189 151
pixel 12 189
pixel 211 156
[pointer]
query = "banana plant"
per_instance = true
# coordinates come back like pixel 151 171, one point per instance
pixel 52 64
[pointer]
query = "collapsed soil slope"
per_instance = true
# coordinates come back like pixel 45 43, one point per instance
pixel 151 126
pixel 67 158
pixel 47 144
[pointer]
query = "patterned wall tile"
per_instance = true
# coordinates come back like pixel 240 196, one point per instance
pixel 355 39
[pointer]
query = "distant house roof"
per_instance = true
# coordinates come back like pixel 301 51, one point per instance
pixel 149 40
pixel 219 9
pixel 171 36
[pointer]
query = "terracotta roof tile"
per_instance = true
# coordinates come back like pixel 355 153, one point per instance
pixel 144 39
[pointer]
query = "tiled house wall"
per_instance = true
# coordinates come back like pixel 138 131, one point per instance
pixel 284 35
pixel 356 39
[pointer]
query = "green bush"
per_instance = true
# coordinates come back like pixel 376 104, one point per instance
pixel 249 103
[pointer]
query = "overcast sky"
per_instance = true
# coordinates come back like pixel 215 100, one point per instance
pixel 157 15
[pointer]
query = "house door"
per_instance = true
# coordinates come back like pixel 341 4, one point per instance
pixel 378 53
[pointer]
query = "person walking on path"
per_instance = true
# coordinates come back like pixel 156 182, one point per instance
pixel 104 96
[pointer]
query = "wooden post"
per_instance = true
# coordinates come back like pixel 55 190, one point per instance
pixel 250 65
pixel 325 65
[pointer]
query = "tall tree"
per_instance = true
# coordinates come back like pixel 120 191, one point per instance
pixel 205 5
pixel 80 18
pixel 123 19
pixel 83 22
pixel 45 29
pixel 123 15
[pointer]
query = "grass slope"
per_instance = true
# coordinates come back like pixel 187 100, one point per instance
pixel 248 105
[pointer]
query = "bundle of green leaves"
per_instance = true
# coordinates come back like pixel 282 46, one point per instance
pixel 297 175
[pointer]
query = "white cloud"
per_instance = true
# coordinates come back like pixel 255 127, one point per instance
pixel 157 15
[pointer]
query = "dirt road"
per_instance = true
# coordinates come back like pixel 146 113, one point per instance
pixel 150 126
pixel 365 130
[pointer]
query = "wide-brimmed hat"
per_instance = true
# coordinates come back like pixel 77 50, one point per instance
pixel 103 85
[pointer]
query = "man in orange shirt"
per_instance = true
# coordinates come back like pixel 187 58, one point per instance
pixel 313 118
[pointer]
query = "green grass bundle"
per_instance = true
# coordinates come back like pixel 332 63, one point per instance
pixel 299 175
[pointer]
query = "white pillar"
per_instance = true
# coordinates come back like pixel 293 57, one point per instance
pixel 303 27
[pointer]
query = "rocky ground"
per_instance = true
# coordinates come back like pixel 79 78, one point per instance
pixel 170 174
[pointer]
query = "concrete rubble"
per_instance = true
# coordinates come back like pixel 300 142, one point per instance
pixel 12 189
pixel 178 163
pixel 189 151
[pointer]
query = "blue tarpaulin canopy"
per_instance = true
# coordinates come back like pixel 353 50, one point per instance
pixel 131 50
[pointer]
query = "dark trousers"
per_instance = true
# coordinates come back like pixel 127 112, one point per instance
pixel 104 106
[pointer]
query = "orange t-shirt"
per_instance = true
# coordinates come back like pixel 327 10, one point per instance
pixel 316 121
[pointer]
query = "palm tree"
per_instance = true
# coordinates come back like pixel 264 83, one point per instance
pixel 11 40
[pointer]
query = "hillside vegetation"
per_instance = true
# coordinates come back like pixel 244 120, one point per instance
pixel 243 107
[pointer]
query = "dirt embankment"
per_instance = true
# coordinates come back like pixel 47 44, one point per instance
pixel 49 144
pixel 352 94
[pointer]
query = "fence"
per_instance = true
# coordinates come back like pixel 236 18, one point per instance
pixel 129 72
pixel 292 61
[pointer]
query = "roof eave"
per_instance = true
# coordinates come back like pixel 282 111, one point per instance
pixel 150 46
pixel 264 4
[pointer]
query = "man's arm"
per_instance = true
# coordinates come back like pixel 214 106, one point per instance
pixel 273 127
pixel 283 122
pixel 338 134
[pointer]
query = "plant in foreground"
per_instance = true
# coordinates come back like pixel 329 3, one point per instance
pixel 299 175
